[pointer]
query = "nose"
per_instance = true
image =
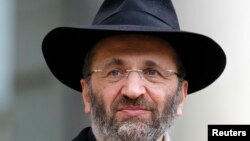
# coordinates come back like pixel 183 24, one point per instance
pixel 134 86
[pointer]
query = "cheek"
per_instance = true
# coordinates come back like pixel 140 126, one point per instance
pixel 159 98
pixel 108 94
pixel 160 94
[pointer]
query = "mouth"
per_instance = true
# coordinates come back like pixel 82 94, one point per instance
pixel 133 111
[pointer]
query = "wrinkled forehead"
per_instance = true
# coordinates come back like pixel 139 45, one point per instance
pixel 134 48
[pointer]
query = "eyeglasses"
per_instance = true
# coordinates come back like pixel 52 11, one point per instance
pixel 152 75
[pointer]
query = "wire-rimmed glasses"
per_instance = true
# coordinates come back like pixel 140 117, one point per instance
pixel 152 75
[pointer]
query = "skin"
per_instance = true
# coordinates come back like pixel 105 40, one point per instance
pixel 133 49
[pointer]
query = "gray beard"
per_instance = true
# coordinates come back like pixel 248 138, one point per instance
pixel 135 128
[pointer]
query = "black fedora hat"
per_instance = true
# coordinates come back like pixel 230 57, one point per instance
pixel 65 48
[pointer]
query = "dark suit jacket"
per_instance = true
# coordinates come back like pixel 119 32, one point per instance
pixel 85 135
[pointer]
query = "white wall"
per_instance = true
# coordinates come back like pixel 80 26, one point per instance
pixel 227 100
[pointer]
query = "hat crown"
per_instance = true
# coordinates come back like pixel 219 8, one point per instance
pixel 156 13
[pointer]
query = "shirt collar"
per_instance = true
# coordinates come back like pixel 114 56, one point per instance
pixel 166 137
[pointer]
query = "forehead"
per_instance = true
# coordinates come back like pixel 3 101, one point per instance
pixel 134 47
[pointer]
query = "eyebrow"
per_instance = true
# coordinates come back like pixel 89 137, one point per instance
pixel 150 63
pixel 114 61
pixel 120 62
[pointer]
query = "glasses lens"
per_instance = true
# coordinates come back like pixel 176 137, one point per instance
pixel 153 75
pixel 113 74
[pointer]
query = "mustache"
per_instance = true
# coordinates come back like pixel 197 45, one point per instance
pixel 124 101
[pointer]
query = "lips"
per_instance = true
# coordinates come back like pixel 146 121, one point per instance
pixel 133 110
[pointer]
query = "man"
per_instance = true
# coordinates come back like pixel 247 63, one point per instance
pixel 134 68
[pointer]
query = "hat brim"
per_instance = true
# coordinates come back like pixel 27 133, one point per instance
pixel 64 50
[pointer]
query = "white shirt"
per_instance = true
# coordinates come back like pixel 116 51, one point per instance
pixel 166 137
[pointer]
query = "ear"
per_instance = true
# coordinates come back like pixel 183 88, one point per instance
pixel 85 96
pixel 183 95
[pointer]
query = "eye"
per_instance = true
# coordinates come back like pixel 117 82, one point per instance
pixel 114 73
pixel 151 72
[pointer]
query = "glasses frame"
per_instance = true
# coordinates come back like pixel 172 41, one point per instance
pixel 139 71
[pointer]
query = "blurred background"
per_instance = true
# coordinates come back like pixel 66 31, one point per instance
pixel 35 106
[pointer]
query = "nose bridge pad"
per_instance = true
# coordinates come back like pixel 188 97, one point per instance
pixel 139 72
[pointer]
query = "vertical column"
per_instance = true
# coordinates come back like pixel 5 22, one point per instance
pixel 6 66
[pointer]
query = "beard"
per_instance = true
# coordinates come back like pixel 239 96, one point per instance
pixel 133 128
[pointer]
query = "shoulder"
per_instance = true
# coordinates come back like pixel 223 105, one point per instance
pixel 85 135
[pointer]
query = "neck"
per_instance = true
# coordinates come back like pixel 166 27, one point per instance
pixel 161 138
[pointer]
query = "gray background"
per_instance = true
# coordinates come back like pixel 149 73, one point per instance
pixel 35 106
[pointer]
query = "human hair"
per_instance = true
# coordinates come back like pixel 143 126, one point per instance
pixel 87 64
pixel 180 68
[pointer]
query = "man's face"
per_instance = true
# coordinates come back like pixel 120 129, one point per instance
pixel 142 102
